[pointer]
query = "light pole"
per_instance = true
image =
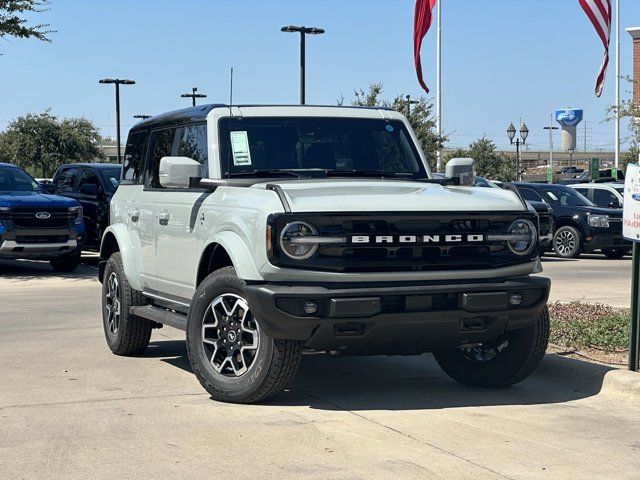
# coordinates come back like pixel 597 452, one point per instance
pixel 524 133
pixel 303 31
pixel 551 128
pixel 117 82
pixel 571 150
pixel 193 95
pixel 143 117
pixel 409 103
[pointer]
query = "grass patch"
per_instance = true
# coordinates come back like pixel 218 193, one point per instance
pixel 582 325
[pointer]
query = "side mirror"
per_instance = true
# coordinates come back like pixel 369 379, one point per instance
pixel 615 204
pixel 464 169
pixel 176 172
pixel 48 187
pixel 89 189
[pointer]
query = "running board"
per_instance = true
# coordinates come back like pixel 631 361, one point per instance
pixel 161 315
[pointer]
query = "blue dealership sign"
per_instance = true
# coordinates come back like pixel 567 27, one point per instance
pixel 569 117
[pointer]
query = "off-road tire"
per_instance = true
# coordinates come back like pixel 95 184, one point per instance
pixel 66 263
pixel 614 253
pixel 563 234
pixel 274 366
pixel 524 352
pixel 133 333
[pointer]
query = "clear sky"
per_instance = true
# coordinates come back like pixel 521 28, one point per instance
pixel 502 59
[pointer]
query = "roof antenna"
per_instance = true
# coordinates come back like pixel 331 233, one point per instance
pixel 231 88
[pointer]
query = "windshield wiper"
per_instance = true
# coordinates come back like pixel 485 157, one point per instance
pixel 264 173
pixel 368 173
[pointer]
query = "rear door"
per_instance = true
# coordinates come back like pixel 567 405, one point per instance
pixel 603 197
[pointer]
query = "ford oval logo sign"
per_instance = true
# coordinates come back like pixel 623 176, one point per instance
pixel 43 215
pixel 636 197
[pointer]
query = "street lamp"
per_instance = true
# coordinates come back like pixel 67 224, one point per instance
pixel 117 82
pixel 571 150
pixel 524 133
pixel 193 95
pixel 303 31
pixel 143 117
pixel 551 128
pixel 409 103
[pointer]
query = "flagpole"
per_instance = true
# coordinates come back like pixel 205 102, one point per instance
pixel 439 85
pixel 617 112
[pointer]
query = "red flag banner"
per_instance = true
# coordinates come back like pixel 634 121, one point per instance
pixel 421 24
pixel 599 12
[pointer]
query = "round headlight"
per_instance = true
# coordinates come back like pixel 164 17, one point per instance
pixel 292 240
pixel 524 233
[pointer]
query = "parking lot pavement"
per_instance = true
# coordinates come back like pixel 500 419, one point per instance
pixel 591 278
pixel 70 409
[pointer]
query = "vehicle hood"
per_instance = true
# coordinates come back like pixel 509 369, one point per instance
pixel 349 195
pixel 34 199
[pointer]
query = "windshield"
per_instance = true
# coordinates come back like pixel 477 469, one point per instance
pixel 313 146
pixel 564 196
pixel 111 178
pixel 14 179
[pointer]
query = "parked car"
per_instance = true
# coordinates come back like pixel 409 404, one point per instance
pixel 93 185
pixel 35 225
pixel 265 230
pixel 580 225
pixel 570 170
pixel 544 211
pixel 609 195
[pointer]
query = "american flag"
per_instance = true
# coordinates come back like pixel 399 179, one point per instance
pixel 421 24
pixel 599 12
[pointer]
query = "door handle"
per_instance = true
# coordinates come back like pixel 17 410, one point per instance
pixel 135 215
pixel 163 218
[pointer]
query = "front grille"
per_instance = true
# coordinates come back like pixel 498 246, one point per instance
pixel 26 217
pixel 615 225
pixel 31 239
pixel 352 258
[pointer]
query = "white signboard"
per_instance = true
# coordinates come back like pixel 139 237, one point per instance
pixel 631 207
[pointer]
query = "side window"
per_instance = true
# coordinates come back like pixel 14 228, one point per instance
pixel 133 163
pixel 67 180
pixel 192 143
pixel 603 198
pixel 583 191
pixel 529 194
pixel 88 177
pixel 161 145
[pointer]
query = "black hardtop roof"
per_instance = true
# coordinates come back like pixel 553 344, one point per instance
pixel 99 165
pixel 199 113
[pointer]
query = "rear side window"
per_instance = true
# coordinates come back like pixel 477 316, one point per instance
pixel 161 145
pixel 134 154
pixel 192 143
pixel 529 194
pixel 67 180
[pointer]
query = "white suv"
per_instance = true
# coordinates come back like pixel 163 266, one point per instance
pixel 262 231
pixel 607 195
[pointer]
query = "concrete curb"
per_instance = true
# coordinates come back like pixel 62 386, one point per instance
pixel 622 383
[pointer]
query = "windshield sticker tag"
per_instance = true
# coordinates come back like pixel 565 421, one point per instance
pixel 240 148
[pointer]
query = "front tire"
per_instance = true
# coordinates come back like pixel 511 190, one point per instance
pixel 510 359
pixel 232 357
pixel 66 263
pixel 126 334
pixel 567 242
pixel 614 253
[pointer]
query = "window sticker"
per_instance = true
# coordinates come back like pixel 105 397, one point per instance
pixel 240 148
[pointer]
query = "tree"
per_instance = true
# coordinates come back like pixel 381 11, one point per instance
pixel 632 111
pixel 12 23
pixel 421 119
pixel 490 163
pixel 40 143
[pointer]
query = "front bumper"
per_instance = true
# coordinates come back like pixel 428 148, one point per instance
pixel 599 241
pixel 39 244
pixel 399 319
